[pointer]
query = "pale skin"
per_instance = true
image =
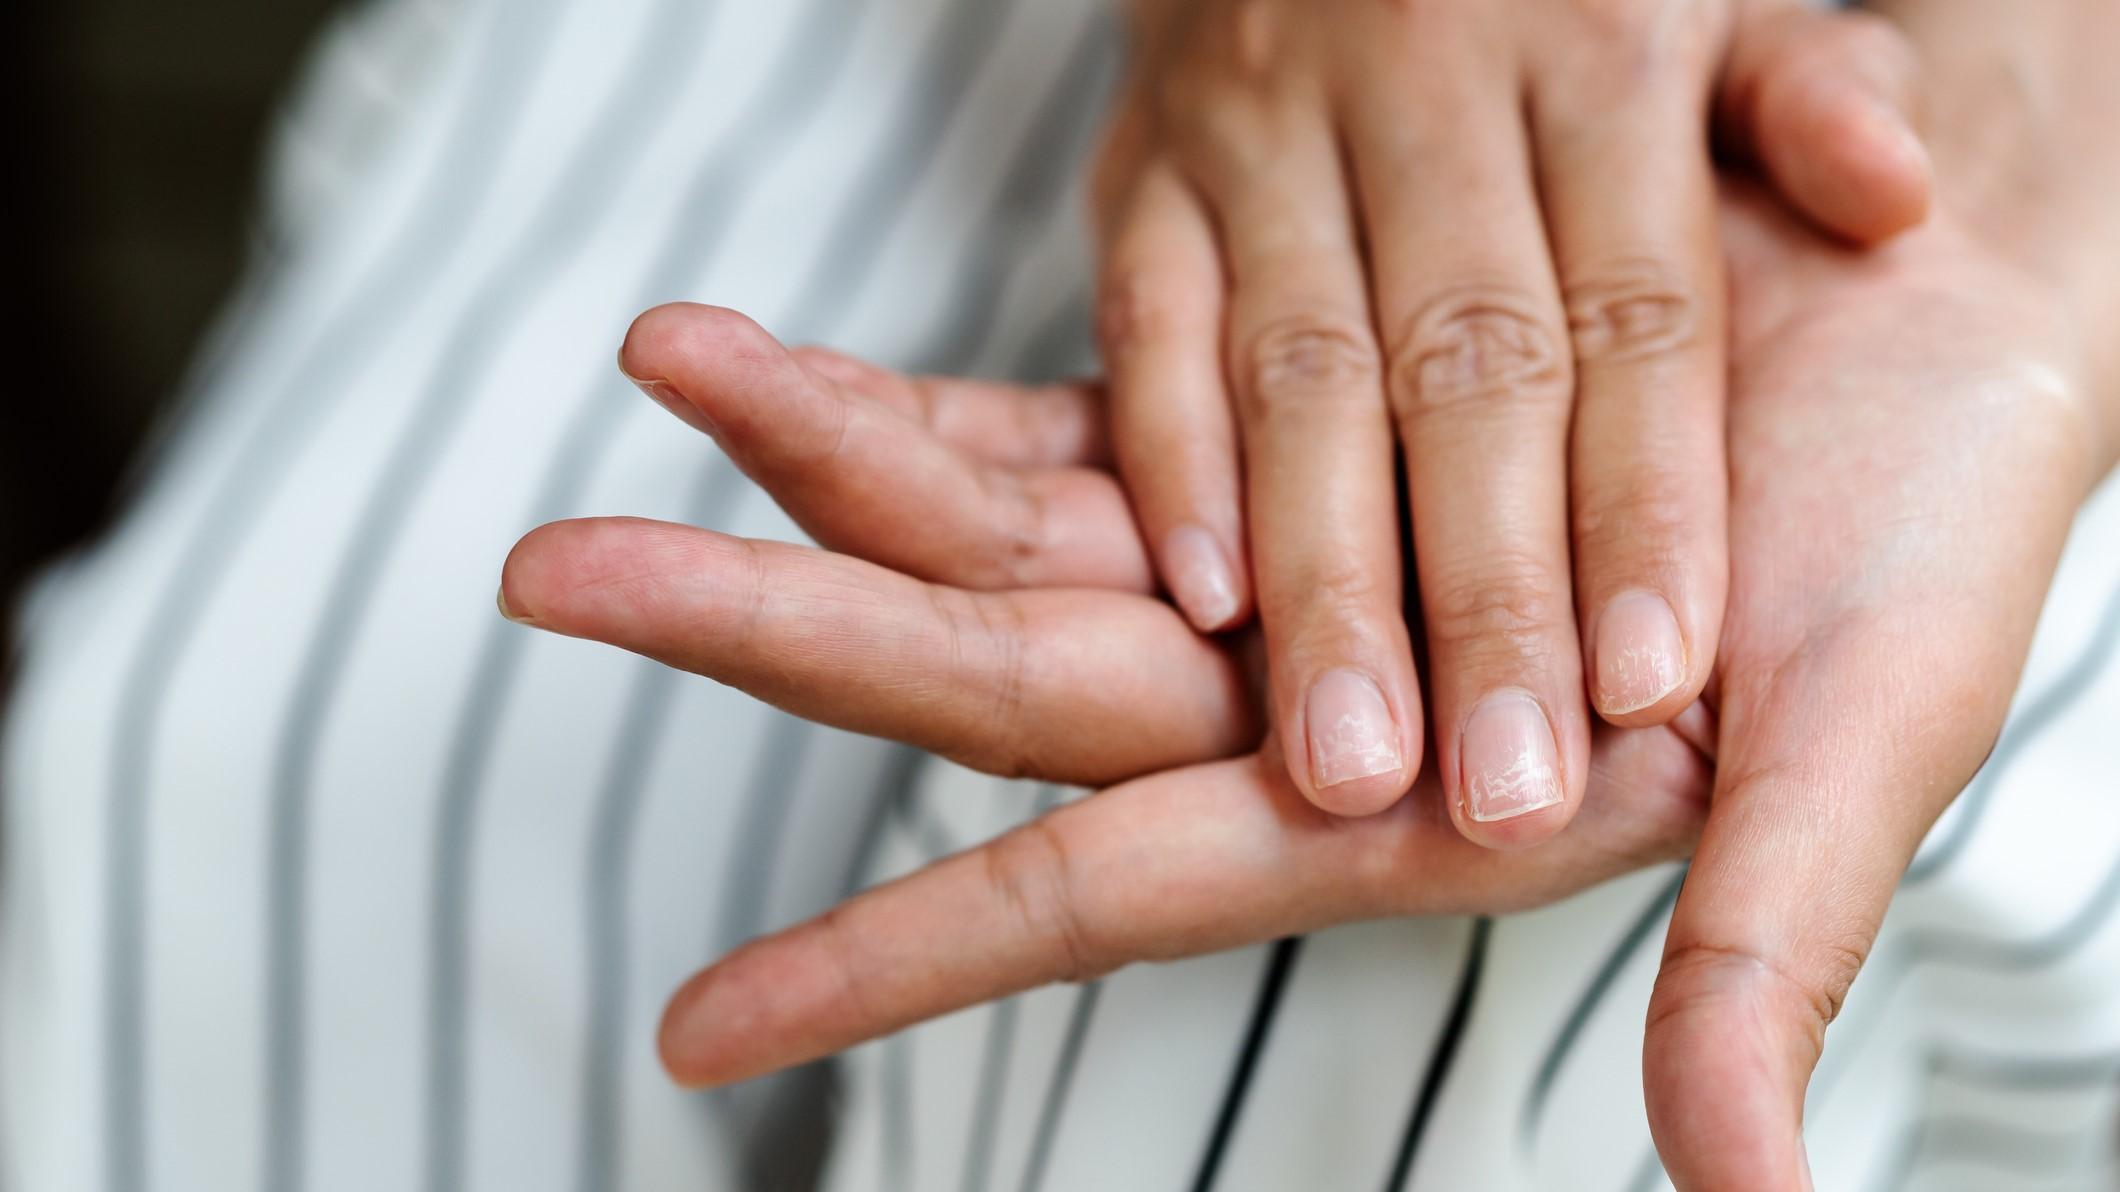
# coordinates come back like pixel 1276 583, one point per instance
pixel 1480 237
pixel 1909 434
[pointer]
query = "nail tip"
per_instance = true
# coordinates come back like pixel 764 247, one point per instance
pixel 500 601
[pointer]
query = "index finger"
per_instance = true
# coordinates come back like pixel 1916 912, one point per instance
pixel 1178 864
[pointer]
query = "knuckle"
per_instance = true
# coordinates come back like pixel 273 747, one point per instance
pixel 1509 609
pixel 1482 345
pixel 1136 306
pixel 1635 311
pixel 1021 533
pixel 841 942
pixel 1698 974
pixel 984 648
pixel 1297 363
pixel 1029 871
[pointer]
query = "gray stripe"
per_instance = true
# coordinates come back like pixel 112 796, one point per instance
pixel 1656 913
pixel 2039 715
pixel 597 166
pixel 416 252
pixel 946 67
pixel 1046 1139
pixel 768 128
pixel 607 939
pixel 994 1065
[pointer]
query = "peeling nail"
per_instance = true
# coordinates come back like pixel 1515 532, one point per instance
pixel 1511 766
pixel 1352 735
pixel 1641 657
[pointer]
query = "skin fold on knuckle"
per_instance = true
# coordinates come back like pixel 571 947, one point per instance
pixel 1477 347
pixel 1635 311
pixel 1028 871
pixel 982 640
pixel 1292 366
pixel 1142 306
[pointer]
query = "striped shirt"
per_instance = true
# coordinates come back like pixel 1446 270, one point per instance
pixel 317 875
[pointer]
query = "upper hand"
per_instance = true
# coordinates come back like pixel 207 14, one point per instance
pixel 1485 231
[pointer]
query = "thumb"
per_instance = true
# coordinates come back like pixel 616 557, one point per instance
pixel 1816 814
pixel 1824 102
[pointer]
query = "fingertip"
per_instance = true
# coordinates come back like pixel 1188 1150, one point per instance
pixel 693 360
pixel 1206 583
pixel 1849 159
pixel 1882 177
pixel 683 1058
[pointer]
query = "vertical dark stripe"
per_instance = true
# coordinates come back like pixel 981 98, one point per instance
pixel 642 728
pixel 1273 983
pixel 992 1089
pixel 899 1143
pixel 1045 164
pixel 1441 1057
pixel 987 1095
pixel 597 166
pixel 1007 231
pixel 770 125
pixel 754 846
pixel 1656 913
pixel 1056 1089
pixel 353 332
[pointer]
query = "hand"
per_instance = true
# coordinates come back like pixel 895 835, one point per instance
pixel 1492 225
pixel 1909 440
pixel 1029 645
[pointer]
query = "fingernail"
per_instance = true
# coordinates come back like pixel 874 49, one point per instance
pixel 1511 766
pixel 1200 577
pixel 664 394
pixel 1351 732
pixel 1641 658
pixel 500 601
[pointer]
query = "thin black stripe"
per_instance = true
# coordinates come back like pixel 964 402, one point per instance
pixel 352 334
pixel 1442 1056
pixel 1658 911
pixel 598 165
pixel 1058 1086
pixel 1273 983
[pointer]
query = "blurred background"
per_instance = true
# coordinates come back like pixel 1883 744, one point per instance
pixel 139 127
